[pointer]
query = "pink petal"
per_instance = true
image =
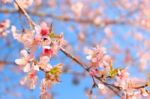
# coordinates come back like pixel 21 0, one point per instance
pixel 24 53
pixel 27 68
pixel 20 62
pixel 44 59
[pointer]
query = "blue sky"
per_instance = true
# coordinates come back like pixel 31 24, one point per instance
pixel 64 90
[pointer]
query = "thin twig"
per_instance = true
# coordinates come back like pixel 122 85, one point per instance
pixel 84 66
pixel 25 13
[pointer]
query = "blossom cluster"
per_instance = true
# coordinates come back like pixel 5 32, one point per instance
pixel 98 59
pixel 4 25
pixel 42 37
pixel 101 66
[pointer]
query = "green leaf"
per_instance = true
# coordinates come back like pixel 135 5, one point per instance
pixel 53 70
pixel 113 73
pixel 52 35
pixel 56 70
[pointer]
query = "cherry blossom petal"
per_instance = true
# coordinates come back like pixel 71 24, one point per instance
pixel 44 59
pixel 27 68
pixel 21 62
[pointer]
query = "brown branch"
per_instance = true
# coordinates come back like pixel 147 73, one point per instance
pixel 7 62
pixel 66 18
pixel 84 66
pixel 138 87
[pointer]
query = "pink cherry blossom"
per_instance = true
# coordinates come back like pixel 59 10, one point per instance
pixel 46 41
pixel 77 8
pixel 44 59
pixel 6 1
pixel 101 86
pixel 26 38
pixel 35 67
pixel 45 84
pixel 24 59
pixel 30 80
pixel 98 57
pixel 27 67
pixel 123 74
pixel 21 62
pixel 52 3
pixel 25 3
pixel 93 71
pixel 43 63
pixel 38 2
pixel 47 51
pixel 4 25
pixel 44 29
pixel 46 95
pixel 108 32
pixel 122 79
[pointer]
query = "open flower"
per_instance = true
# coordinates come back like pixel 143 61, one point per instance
pixel 47 51
pixel 45 84
pixel 122 79
pixel 44 29
pixel 44 63
pixel 35 67
pixel 24 58
pixel 24 61
pixel 27 38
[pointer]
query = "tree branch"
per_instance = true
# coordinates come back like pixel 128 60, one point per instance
pixel 104 22
pixel 25 13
